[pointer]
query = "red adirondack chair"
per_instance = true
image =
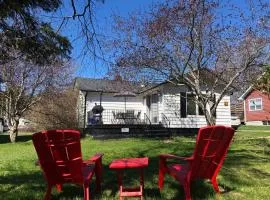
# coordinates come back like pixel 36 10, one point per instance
pixel 59 154
pixel 211 147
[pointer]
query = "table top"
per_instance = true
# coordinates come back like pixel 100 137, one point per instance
pixel 125 115
pixel 129 163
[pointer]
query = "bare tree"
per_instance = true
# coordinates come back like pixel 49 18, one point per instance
pixel 81 14
pixel 32 52
pixel 203 43
pixel 25 85
pixel 56 110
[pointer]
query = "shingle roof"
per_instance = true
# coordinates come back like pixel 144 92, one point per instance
pixel 104 85
pixel 115 86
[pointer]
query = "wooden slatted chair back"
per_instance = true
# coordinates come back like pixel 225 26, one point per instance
pixel 59 153
pixel 211 147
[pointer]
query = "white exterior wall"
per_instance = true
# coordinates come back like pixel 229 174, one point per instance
pixel 160 107
pixel 169 104
pixel 171 108
pixel 109 102
pixel 224 111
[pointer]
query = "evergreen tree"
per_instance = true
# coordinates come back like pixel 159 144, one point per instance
pixel 263 84
pixel 23 32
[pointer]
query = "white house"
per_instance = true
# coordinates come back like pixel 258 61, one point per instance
pixel 163 103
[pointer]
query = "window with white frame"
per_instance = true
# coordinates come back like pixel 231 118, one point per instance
pixel 191 104
pixel 192 107
pixel 255 104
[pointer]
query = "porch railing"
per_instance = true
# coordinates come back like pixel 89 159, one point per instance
pixel 165 121
pixel 146 119
pixel 120 116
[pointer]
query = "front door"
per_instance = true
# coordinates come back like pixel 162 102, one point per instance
pixel 154 109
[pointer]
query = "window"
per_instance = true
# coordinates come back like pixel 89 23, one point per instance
pixel 154 98
pixel 255 104
pixel 191 104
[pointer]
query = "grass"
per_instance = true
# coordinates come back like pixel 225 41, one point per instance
pixel 255 128
pixel 253 131
pixel 244 175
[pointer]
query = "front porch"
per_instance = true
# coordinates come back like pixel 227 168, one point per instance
pixel 109 131
pixel 119 116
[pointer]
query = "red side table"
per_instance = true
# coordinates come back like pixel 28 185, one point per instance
pixel 129 163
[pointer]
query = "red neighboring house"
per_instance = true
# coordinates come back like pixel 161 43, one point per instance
pixel 256 107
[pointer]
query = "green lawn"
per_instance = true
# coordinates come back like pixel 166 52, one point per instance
pixel 263 128
pixel 245 173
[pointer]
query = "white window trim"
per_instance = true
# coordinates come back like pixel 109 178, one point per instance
pixel 255 104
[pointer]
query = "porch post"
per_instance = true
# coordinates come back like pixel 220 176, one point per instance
pixel 125 104
pixel 100 98
pixel 85 100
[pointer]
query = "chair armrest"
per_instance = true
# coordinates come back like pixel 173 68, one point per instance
pixel 96 160
pixel 93 159
pixel 96 157
pixel 170 156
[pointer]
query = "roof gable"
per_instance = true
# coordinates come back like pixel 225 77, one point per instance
pixel 244 95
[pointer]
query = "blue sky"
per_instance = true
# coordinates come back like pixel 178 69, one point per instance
pixel 85 65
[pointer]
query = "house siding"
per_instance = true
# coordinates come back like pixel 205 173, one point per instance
pixel 224 111
pixel 259 115
pixel 171 108
pixel 168 104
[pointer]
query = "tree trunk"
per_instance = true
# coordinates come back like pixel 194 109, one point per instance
pixel 13 132
pixel 210 117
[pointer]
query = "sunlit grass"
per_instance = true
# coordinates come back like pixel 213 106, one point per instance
pixel 244 175
pixel 261 128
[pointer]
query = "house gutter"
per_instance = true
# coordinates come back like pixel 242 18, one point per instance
pixel 98 91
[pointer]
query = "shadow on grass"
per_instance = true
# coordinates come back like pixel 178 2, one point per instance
pixel 4 138
pixel 34 186
pixel 22 186
pixel 172 189
pixel 238 168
